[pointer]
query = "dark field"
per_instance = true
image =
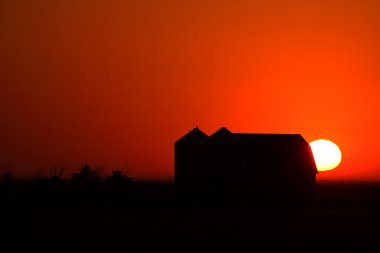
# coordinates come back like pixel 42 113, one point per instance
pixel 344 218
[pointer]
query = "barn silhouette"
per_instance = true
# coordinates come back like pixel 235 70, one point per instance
pixel 226 165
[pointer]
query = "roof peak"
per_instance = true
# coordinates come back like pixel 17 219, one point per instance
pixel 194 133
pixel 222 130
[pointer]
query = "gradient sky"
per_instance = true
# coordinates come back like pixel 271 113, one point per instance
pixel 105 82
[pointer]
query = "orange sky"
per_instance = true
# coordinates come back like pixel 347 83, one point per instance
pixel 105 82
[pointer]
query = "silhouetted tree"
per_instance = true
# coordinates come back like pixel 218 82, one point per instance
pixel 55 179
pixel 8 187
pixel 48 186
pixel 7 176
pixel 56 171
pixel 39 174
pixel 118 179
pixel 86 183
pixel 117 186
pixel 86 176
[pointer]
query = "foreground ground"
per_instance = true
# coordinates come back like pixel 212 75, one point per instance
pixel 344 218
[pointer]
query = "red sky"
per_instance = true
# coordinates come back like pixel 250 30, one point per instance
pixel 105 82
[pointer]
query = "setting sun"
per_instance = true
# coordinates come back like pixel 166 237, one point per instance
pixel 327 154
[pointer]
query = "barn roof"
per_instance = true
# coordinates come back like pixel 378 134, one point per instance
pixel 279 142
pixel 194 135
pixel 223 134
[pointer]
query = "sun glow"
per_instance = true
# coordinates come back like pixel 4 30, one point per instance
pixel 327 154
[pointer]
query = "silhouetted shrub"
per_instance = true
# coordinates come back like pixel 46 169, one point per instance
pixel 7 178
pixel 86 184
pixel 46 189
pixel 86 177
pixel 118 181
pixel 118 177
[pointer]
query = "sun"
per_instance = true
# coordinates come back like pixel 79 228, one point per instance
pixel 327 154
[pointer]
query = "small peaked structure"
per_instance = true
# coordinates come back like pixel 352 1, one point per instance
pixel 191 156
pixel 272 167
pixel 226 162
pixel 195 135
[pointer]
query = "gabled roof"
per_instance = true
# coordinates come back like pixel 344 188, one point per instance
pixel 223 134
pixel 193 136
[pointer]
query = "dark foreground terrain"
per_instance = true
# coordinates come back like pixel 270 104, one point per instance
pixel 344 218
